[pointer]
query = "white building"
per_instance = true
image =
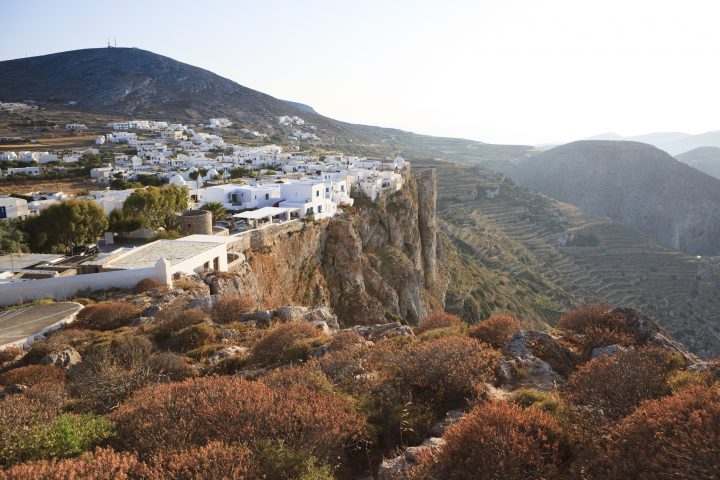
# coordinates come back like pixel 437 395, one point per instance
pixel 76 126
pixel 34 171
pixel 12 208
pixel 309 197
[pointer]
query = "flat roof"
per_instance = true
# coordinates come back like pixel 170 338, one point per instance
pixel 208 238
pixel 264 212
pixel 22 322
pixel 174 251
pixel 19 261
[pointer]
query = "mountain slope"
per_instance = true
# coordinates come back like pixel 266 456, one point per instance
pixel 130 81
pixel 635 184
pixel 552 256
pixel 705 159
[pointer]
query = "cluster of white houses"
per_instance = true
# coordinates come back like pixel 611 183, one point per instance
pixel 260 186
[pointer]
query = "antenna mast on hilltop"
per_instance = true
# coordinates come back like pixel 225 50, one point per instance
pixel 108 40
pixel 115 40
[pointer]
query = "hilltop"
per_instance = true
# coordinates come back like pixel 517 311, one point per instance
pixel 130 82
pixel 705 159
pixel 635 184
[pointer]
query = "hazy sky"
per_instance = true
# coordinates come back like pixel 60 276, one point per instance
pixel 502 71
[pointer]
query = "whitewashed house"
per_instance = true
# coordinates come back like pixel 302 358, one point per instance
pixel 13 208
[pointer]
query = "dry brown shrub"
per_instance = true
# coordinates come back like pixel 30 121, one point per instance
pixel 612 386
pixel 175 318
pixel 77 338
pixel 496 330
pixel 33 375
pixel 672 437
pixel 150 284
pixel 599 325
pixel 106 316
pixel 184 415
pixel 345 340
pixel 216 460
pixel 111 372
pixel 437 319
pixel 103 464
pixel 287 342
pixel 170 366
pixel 308 375
pixel 10 354
pixel 348 369
pixel 443 373
pixel 499 441
pixel 229 308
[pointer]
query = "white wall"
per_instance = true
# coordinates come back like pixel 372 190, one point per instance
pixel 62 288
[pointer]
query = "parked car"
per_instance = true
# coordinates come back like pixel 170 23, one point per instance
pixel 86 250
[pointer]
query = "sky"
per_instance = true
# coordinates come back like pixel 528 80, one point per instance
pixel 499 71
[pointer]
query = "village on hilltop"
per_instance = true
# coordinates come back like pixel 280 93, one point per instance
pixel 247 188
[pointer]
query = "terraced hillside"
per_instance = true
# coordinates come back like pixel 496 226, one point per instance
pixel 559 257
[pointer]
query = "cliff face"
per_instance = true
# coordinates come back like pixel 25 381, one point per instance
pixel 372 263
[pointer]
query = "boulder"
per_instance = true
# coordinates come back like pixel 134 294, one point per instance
pixel 380 331
pixel 451 418
pixel 291 313
pixel 227 352
pixel 65 359
pixel 206 302
pixel 322 314
pixel 320 325
pixel 530 343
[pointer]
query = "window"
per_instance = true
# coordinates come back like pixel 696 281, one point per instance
pixel 319 208
pixel 317 193
pixel 267 196
pixel 309 211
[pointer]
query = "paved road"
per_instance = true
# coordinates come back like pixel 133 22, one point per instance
pixel 25 321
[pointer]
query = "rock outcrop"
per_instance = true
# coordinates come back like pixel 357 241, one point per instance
pixel 377 262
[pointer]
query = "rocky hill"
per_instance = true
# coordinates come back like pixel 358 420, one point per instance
pixel 377 262
pixel 533 256
pixel 635 184
pixel 705 159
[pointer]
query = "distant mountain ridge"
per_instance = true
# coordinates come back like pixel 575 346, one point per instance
pixel 705 159
pixel 674 143
pixel 635 184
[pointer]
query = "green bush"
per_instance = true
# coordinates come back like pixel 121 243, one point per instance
pixel 69 435
pixel 278 462
pixel 192 338
pixel 528 397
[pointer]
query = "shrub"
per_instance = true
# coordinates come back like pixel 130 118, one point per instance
pixel 344 340
pixel 229 365
pixel 33 375
pixel 496 330
pixel 106 316
pixel 611 386
pixel 600 326
pixel 277 462
pixel 192 337
pixel 10 354
pixel 171 366
pixel 228 308
pixel 528 397
pixel 148 284
pixel 287 342
pixel 70 435
pixel 216 460
pixel 672 437
pixel 110 372
pixel 308 375
pixel 102 464
pixel 443 373
pixel 192 413
pixel 499 440
pixel 437 319
pixel 173 321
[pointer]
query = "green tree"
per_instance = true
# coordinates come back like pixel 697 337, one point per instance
pixel 156 206
pixel 12 238
pixel 120 222
pixel 63 225
pixel 217 210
